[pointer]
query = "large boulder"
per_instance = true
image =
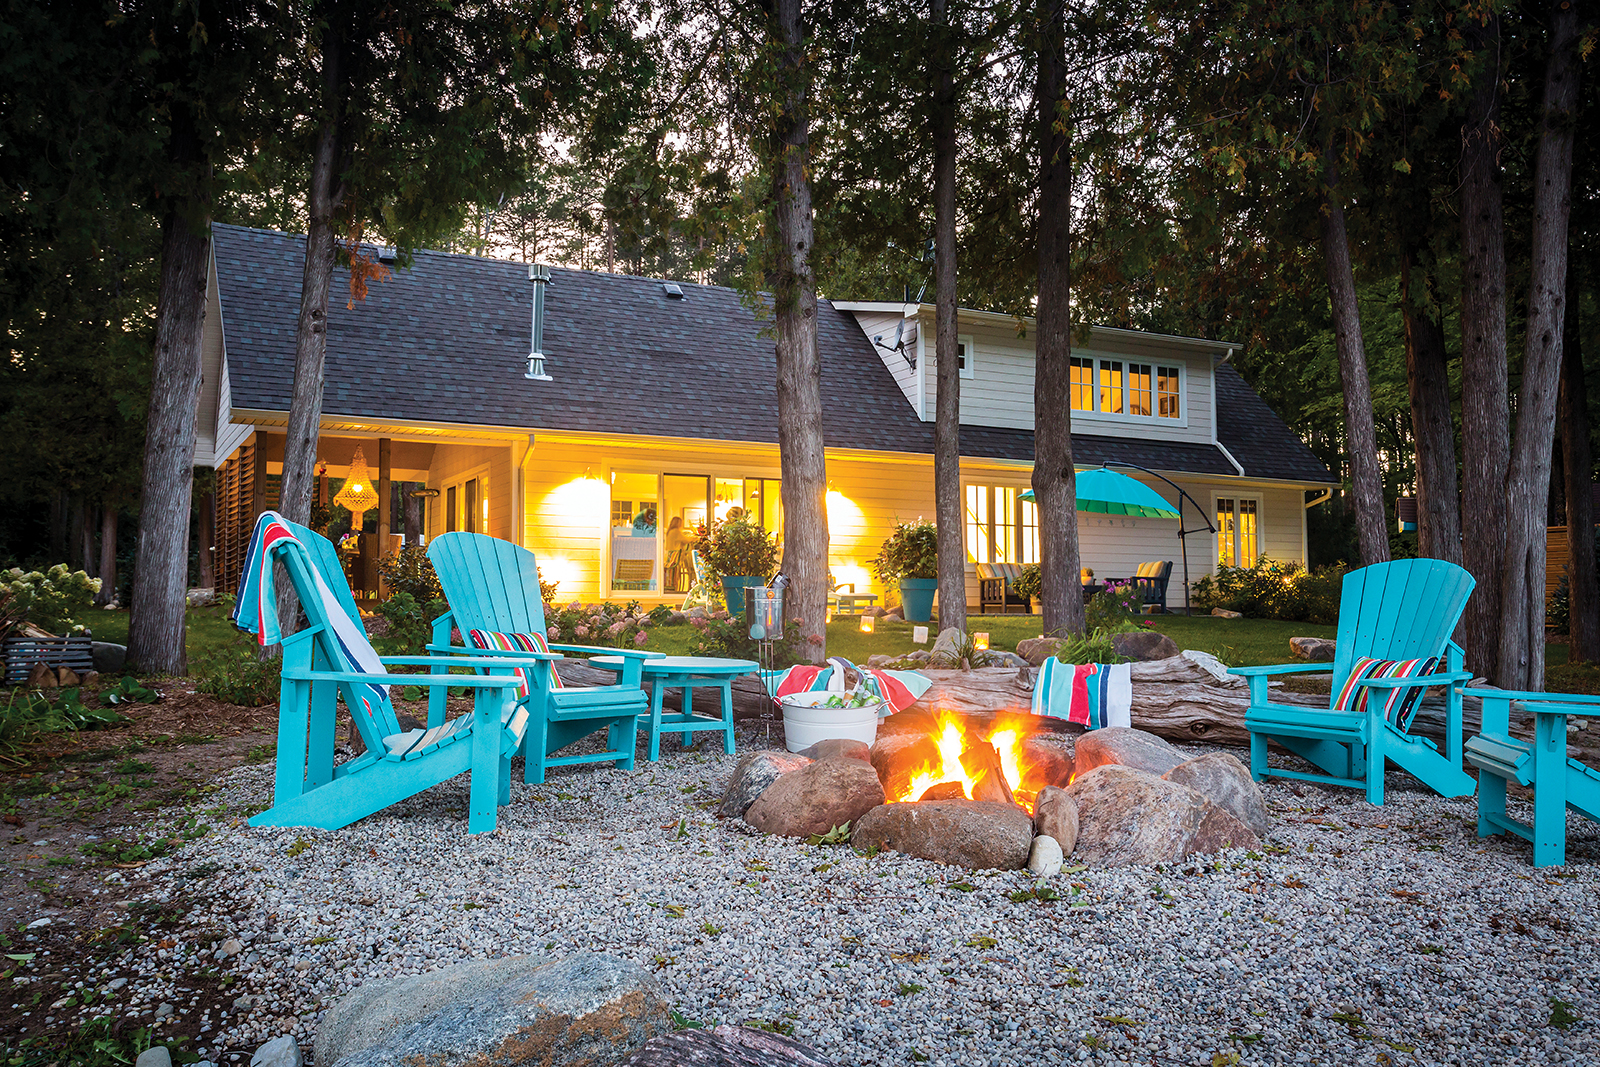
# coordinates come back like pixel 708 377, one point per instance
pixel 1127 747
pixel 1038 649
pixel 846 747
pixel 967 833
pixel 1223 780
pixel 816 798
pixel 108 657
pixel 1315 649
pixel 1047 762
pixel 947 648
pixel 1127 817
pixel 752 775
pixel 1143 645
pixel 898 757
pixel 580 1010
pixel 1055 814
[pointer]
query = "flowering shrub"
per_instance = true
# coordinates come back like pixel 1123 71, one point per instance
pixel 410 571
pixel 606 625
pixel 730 639
pixel 49 599
pixel 1271 589
pixel 737 547
pixel 1115 610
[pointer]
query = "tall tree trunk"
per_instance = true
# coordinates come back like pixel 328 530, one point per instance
pixel 1485 412
pixel 324 194
pixel 80 539
pixel 108 555
pixel 311 332
pixel 947 404
pixel 1577 464
pixel 800 444
pixel 1428 383
pixel 161 568
pixel 1055 482
pixel 1522 597
pixel 413 513
pixel 1361 438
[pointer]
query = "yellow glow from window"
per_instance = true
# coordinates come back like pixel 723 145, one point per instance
pixel 845 517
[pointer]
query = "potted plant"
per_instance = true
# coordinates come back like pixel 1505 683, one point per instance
pixel 1029 584
pixel 739 552
pixel 911 557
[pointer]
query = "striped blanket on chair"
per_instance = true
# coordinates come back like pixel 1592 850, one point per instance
pixel 1090 694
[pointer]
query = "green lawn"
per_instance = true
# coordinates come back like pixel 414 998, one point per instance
pixel 1237 642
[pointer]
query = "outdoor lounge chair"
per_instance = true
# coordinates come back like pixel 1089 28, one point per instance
pixel 1151 581
pixel 493 590
pixel 332 657
pixel 1558 783
pixel 1395 622
pixel 994 588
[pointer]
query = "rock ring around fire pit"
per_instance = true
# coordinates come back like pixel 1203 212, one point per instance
pixel 984 791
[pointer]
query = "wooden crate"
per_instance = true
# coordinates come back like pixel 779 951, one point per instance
pixel 23 652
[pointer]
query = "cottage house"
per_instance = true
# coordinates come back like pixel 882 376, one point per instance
pixel 657 408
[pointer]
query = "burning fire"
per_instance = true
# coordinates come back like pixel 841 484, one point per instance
pixel 995 767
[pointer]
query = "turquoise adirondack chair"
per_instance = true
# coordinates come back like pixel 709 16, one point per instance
pixel 332 657
pixel 493 585
pixel 1558 783
pixel 1399 611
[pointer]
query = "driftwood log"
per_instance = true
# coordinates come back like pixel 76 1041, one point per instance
pixel 724 1046
pixel 1175 698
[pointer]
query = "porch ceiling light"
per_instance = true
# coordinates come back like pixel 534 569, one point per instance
pixel 358 495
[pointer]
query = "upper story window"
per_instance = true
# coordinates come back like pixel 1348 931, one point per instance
pixel 967 356
pixel 1122 387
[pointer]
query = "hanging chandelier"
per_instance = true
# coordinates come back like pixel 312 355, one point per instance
pixel 358 493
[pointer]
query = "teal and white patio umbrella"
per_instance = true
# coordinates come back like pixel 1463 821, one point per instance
pixel 1108 493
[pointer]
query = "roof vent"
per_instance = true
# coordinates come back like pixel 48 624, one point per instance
pixel 386 254
pixel 673 290
pixel 539 275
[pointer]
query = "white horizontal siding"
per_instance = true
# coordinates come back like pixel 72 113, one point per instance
pixel 1000 392
pixel 900 363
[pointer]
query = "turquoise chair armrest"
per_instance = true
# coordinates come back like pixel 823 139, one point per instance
pixel 1282 668
pixel 600 650
pixel 1420 680
pixel 465 656
pixel 1525 697
pixel 467 681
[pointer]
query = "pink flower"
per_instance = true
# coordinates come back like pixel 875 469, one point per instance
pixel 554 633
pixel 699 622
pixel 616 628
pixel 640 638
pixel 582 631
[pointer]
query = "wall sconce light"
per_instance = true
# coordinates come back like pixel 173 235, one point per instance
pixel 867 624
pixel 980 641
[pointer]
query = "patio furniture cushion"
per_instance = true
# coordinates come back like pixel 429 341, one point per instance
pixel 516 643
pixel 1401 706
pixel 1008 571
pixel 1150 570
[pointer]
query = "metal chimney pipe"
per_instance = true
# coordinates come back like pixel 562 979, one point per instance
pixel 539 275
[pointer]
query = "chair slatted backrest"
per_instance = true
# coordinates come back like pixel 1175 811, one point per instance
pixel 1404 609
pixel 380 720
pixel 491 584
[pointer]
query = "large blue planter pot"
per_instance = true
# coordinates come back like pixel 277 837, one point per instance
pixel 916 595
pixel 733 592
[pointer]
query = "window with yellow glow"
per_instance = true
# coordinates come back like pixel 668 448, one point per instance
pixel 1082 376
pixel 1116 387
pixel 1167 389
pixel 1238 531
pixel 1139 382
pixel 1111 387
pixel 999 526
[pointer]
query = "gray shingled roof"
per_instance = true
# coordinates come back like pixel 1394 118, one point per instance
pixel 447 341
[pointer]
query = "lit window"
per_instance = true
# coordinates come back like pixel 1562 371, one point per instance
pixel 1238 523
pixel 1111 387
pixel 1000 527
pixel 1167 391
pixel 1139 389
pixel 1082 371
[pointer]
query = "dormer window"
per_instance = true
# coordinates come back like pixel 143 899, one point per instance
pixel 967 356
pixel 1121 387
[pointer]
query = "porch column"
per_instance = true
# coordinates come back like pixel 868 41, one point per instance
pixel 385 506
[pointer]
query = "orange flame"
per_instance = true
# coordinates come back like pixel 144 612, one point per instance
pixel 1007 740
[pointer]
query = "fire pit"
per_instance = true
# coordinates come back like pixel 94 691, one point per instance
pixel 1000 757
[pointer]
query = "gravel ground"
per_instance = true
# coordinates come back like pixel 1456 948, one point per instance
pixel 1361 935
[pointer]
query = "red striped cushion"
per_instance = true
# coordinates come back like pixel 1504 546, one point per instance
pixel 516 643
pixel 1400 705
